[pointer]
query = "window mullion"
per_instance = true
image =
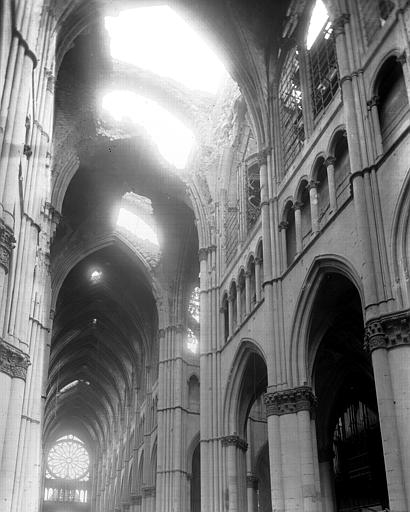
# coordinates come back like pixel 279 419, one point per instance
pixel 306 87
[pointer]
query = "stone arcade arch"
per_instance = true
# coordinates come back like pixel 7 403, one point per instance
pixel 328 353
pixel 246 428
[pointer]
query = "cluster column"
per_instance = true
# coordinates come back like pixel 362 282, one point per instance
pixel 235 496
pixel 293 450
pixel 388 340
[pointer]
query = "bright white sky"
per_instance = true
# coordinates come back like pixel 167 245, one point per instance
pixel 136 226
pixel 317 21
pixel 173 139
pixel 157 39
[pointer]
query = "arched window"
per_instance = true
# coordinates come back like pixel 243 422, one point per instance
pixel 290 108
pixel 253 206
pixel 322 188
pixel 393 103
pixel 259 275
pixel 341 162
pixel 233 298
pixel 242 295
pixel 252 280
pixel 67 471
pixel 322 60
pixel 306 218
pixel 193 393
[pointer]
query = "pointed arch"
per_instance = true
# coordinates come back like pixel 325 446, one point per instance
pixel 235 401
pixel 298 369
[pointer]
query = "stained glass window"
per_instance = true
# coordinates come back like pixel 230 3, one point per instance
pixel 68 459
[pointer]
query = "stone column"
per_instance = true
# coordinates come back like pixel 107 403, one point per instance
pixel 258 279
pixel 7 244
pixel 292 450
pixel 212 473
pixel 388 340
pixel 314 208
pixel 247 292
pixel 356 164
pixel 283 226
pixel 230 314
pixel 13 370
pixel 297 207
pixel 238 306
pixel 372 107
pixel 327 483
pixel 236 478
pixel 252 487
pixel 330 170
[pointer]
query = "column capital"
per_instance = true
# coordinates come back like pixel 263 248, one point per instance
pixel 283 225
pixel 234 440
pixel 7 242
pixel 388 332
pixel 13 361
pixel 374 336
pixel 340 22
pixel 313 184
pixel 330 160
pixel 373 102
pixel 297 205
pixel 290 401
pixel 258 260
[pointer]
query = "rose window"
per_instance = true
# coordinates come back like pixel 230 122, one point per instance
pixel 68 459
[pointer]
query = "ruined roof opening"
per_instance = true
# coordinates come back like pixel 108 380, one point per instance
pixel 172 138
pixel 317 21
pixel 159 40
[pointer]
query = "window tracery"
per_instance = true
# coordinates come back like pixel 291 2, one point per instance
pixel 67 471
pixel 323 69
pixel 290 107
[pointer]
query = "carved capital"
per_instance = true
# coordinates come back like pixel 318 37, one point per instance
pixel 388 332
pixel 339 24
pixel 374 336
pixel 313 184
pixel 297 205
pixel 397 329
pixel 161 333
pixel 373 102
pixel 7 242
pixel 283 225
pixel 330 160
pixel 234 440
pixel 13 361
pixel 290 401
